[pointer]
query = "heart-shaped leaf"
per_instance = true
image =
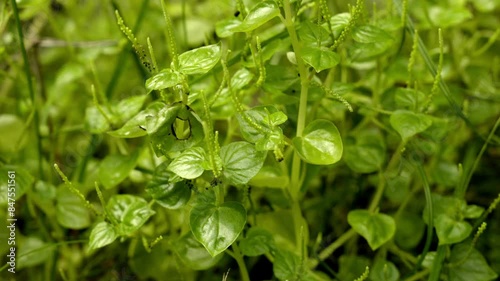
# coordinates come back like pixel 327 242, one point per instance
pixel 320 143
pixel 241 161
pixel 257 242
pixel 128 212
pixel 320 58
pixel 200 60
pixel 102 234
pixel 375 228
pixel 217 227
pixel 190 164
pixel 408 123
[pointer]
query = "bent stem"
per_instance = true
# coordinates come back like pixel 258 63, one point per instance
pixel 236 254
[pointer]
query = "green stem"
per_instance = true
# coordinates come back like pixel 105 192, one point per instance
pixel 301 119
pixel 328 251
pixel 27 73
pixel 438 263
pixel 236 254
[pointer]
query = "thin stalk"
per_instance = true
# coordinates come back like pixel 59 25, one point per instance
pixel 27 73
pixel 236 254
pixel 301 119
pixel 328 251
pixel 438 263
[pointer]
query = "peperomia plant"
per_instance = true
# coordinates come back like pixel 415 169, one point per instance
pixel 263 140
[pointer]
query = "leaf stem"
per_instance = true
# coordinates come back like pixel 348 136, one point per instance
pixel 301 119
pixel 236 254
pixel 328 251
pixel 27 73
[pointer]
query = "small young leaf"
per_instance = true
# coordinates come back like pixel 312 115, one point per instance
pixel 130 212
pixel 339 22
pixel 408 123
pixel 164 79
pixel 320 58
pixel 261 13
pixel 200 60
pixel 217 227
pixel 115 168
pixel 190 164
pixel 313 35
pixel 320 143
pixel 226 28
pixel 473 211
pixel 377 229
pixel 241 161
pixel 102 234
pixel 450 230
pixel 383 270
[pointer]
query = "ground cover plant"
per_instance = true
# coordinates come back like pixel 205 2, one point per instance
pixel 250 140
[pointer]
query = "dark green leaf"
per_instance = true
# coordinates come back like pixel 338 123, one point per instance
pixel 193 254
pixel 367 154
pixel 468 264
pixel 257 242
pixel 217 227
pixel 320 143
pixel 377 229
pixel 167 190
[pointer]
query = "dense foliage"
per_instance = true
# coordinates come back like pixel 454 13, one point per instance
pixel 250 140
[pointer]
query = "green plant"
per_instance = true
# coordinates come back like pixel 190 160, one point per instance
pixel 317 140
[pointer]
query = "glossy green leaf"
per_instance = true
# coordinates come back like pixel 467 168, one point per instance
pixel 115 168
pixel 408 123
pixel 257 242
pixel 160 116
pixel 286 265
pixel 376 228
pixel 473 211
pixel 370 34
pixel 339 22
pixel 70 210
pixel 22 181
pixel 217 227
pixel 267 118
pixel 193 254
pixel 469 264
pixel 261 13
pixel 190 164
pixel 320 143
pixel 320 58
pixel 166 188
pixel 166 138
pixel 164 79
pixel 136 126
pixel 130 212
pixel 227 27
pixel 241 161
pixel 241 78
pixel 102 234
pixel 200 60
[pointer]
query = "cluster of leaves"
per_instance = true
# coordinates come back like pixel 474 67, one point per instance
pixel 294 140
